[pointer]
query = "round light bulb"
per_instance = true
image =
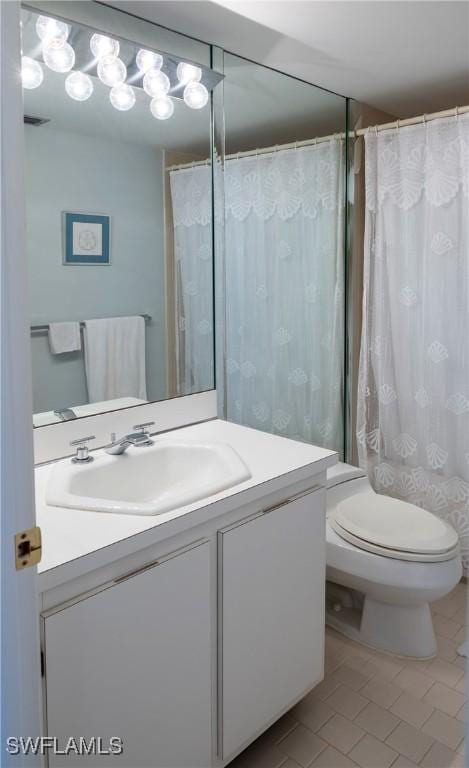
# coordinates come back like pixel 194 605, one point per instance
pixel 101 45
pixel 146 60
pixel 48 28
pixel 122 97
pixel 156 83
pixel 58 55
pixel 79 86
pixel 31 73
pixel 188 73
pixel 111 70
pixel 195 95
pixel 162 107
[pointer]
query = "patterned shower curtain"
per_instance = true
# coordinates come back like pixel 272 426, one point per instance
pixel 191 199
pixel 285 292
pixel 413 409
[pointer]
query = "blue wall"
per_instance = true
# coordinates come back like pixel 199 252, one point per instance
pixel 71 172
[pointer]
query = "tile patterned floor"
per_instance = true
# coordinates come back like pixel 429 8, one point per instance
pixel 375 711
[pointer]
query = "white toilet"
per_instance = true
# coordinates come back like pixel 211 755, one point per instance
pixel 386 561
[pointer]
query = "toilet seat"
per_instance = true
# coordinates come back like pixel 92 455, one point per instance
pixel 393 528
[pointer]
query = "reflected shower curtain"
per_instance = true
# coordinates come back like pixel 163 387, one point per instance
pixel 413 409
pixel 285 292
pixel 192 222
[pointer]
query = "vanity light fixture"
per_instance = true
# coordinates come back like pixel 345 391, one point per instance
pixel 162 107
pixel 32 74
pixel 122 97
pixel 79 86
pixel 48 28
pixel 156 83
pixel 146 60
pixel 111 70
pixel 188 73
pixel 58 55
pixel 195 95
pixel 101 45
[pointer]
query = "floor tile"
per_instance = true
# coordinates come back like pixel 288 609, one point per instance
pixel 460 636
pixel 371 753
pixel 412 710
pixel 438 756
pixel 331 758
pixel 444 728
pixel 445 627
pixel 463 713
pixel 444 698
pixel 346 702
pixel 325 688
pixel 280 728
pixel 341 733
pixel 401 762
pixel 444 672
pixel 461 617
pixel 377 721
pixel 381 692
pixel 447 648
pixel 313 713
pixel 259 755
pixel 414 682
pixel 410 742
pixel 461 686
pixel 351 676
pixel 302 745
pixel 449 605
pixel 385 667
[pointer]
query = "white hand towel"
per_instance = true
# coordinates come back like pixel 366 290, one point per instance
pixel 115 358
pixel 64 337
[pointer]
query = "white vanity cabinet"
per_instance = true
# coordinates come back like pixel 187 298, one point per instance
pixel 134 661
pixel 271 616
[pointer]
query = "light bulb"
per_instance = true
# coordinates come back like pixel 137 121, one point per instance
pixel 79 86
pixel 31 73
pixel 111 70
pixel 195 95
pixel 48 28
pixel 156 83
pixel 122 97
pixel 162 107
pixel 188 73
pixel 58 55
pixel 101 45
pixel 146 60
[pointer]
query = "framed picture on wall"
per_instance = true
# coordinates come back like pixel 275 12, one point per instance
pixel 87 239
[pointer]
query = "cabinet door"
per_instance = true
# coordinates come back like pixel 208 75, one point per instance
pixel 271 618
pixel 133 662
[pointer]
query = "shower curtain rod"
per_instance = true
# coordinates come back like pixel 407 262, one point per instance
pixel 454 112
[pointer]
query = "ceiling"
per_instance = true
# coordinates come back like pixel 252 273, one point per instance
pixel 404 57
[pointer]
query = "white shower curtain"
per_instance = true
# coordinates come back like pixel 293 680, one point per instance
pixel 285 293
pixel 413 409
pixel 191 199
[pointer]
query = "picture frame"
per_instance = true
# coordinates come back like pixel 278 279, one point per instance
pixel 87 239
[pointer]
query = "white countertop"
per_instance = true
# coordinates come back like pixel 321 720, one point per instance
pixel 70 535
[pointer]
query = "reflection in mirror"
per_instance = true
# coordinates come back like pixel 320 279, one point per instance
pixel 119 238
pixel 284 253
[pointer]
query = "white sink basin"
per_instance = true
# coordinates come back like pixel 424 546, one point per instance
pixel 147 480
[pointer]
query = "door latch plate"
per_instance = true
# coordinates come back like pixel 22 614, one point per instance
pixel 28 548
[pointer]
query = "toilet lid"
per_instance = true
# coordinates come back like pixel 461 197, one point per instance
pixel 394 524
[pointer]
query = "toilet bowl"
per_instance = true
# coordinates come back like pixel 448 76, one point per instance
pixel 387 560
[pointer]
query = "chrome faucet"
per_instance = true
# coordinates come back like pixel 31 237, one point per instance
pixel 139 437
pixel 65 414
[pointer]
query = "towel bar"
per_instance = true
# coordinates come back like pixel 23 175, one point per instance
pixel 45 326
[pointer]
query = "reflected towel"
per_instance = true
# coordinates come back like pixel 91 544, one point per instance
pixel 115 358
pixel 64 337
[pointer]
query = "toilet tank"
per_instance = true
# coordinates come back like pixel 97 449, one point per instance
pixel 341 472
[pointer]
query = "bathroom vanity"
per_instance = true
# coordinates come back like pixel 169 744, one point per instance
pixel 185 633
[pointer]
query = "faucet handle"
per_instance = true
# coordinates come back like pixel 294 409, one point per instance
pixel 82 455
pixel 142 427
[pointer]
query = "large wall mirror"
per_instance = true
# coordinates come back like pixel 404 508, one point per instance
pixel 119 233
pixel 285 191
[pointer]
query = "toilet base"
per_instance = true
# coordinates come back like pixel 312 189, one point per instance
pixel 400 630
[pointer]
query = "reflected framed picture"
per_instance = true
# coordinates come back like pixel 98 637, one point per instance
pixel 87 239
